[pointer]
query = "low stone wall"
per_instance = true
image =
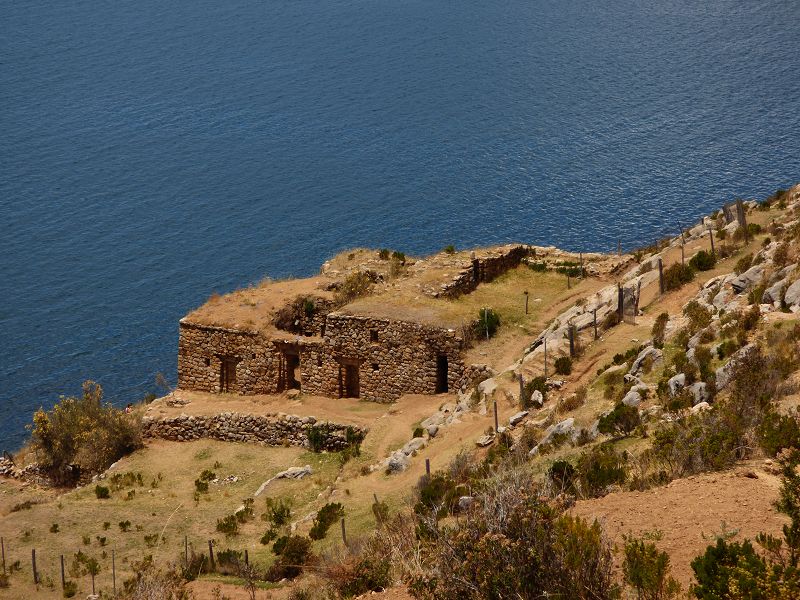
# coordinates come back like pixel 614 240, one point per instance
pixel 267 430
pixel 31 473
pixel 482 270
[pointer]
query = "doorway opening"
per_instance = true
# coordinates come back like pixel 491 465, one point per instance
pixel 227 374
pixel 293 378
pixel 349 385
pixel 441 374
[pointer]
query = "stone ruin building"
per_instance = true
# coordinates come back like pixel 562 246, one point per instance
pixel 294 334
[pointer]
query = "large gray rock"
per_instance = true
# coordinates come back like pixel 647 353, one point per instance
pixel 565 427
pixel 772 295
pixel 516 419
pixel 725 372
pixel 792 296
pixel 632 398
pixel 676 384
pixel 699 390
pixel 748 279
pixel 537 399
pixel 650 351
pixel 413 446
pixel 295 473
pixel 397 462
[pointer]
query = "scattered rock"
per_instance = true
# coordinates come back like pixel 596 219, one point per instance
pixel 700 407
pixel 295 473
pixel 632 398
pixel 464 502
pixel 676 383
pixel 516 419
pixel 486 440
pixel 650 351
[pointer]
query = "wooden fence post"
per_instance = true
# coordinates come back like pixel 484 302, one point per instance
pixel 545 357
pixel 526 301
pixel 114 572
pixel 571 341
pixel 496 422
pixel 427 471
pixel 711 237
pixel 3 550
pixel 63 579
pixel 246 557
pixel 344 533
pixel 211 556
pixel 594 321
pixel 186 550
pixel 33 563
pixel 660 276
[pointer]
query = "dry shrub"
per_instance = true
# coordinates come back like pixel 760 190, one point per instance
pixel 153 583
pixel 573 401
pixel 356 285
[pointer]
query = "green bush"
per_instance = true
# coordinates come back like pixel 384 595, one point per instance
pixel 83 432
pixel 70 589
pixel 487 324
pixel 326 516
pixel 450 249
pixel 703 261
pixel 536 384
pixel 659 329
pixel 646 570
pixel 675 276
pixel 418 432
pixel 228 525
pixel 777 432
pixel 356 285
pixel 269 536
pixel 102 492
pixel 278 512
pixel 563 365
pixel 384 253
pixel 317 437
pixel 201 486
pixel 436 493
pixel 295 551
pixel 562 475
pixel 621 421
pixel 600 468
pixel 699 316
pixel 744 263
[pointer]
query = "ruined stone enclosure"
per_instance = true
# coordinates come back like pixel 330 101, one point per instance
pixel 405 336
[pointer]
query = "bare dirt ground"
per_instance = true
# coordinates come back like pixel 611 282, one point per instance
pixel 690 512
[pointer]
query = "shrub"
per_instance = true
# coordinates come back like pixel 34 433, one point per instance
pixel 326 516
pixel 646 570
pixel 573 401
pixel 621 421
pixel 777 432
pixel 384 253
pixel 781 256
pixel 381 512
pixel 102 492
pixel 744 263
pixel 532 551
pixel 703 261
pixel 563 365
pixel 357 576
pixel 562 476
pixel 150 581
pixel 600 468
pixel 245 514
pixel 536 384
pixel 70 589
pixel 278 512
pixel 201 486
pixel 318 437
pixel 356 285
pixel 54 528
pixel 268 536
pixel 487 324
pixel 124 526
pixel 450 249
pixel 228 525
pixel 703 358
pixel 418 432
pixel 83 432
pixel 699 316
pixel 4 583
pixel 436 494
pixel 295 552
pixel 677 275
pixel 660 329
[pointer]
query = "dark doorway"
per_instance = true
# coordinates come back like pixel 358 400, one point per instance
pixel 441 374
pixel 227 374
pixel 292 371
pixel 348 381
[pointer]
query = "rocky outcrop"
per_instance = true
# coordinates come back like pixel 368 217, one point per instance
pixel 267 430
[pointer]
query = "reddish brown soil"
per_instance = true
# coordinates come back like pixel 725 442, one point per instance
pixel 690 513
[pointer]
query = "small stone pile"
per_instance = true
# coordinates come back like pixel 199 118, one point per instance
pixel 266 430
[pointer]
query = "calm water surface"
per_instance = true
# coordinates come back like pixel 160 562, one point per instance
pixel 153 152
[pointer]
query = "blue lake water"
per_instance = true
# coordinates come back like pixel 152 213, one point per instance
pixel 153 152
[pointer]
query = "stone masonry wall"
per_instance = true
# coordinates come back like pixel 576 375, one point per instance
pixel 482 270
pixel 201 350
pixel 268 430
pixel 393 357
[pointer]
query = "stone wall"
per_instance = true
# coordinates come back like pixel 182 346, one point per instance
pixel 482 270
pixel 268 430
pixel 392 358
